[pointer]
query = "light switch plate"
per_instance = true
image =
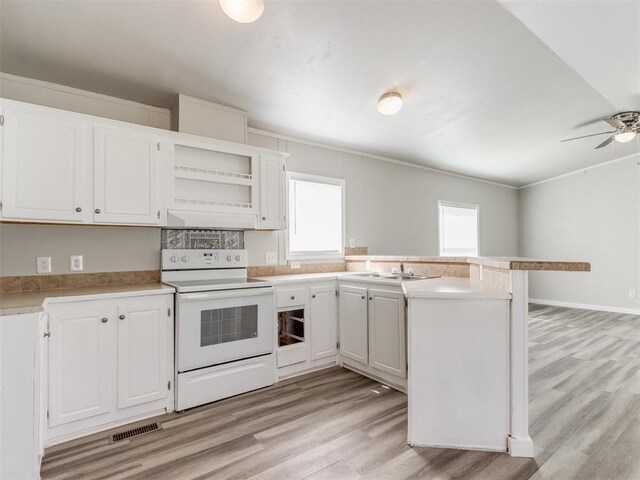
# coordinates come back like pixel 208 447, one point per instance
pixel 43 264
pixel 352 242
pixel 271 258
pixel 76 263
pixel 632 294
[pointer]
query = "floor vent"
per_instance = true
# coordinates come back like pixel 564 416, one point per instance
pixel 134 432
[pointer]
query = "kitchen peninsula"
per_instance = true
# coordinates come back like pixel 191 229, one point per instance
pixel 450 371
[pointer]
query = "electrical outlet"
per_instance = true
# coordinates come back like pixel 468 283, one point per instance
pixel 43 264
pixel 271 258
pixel 632 294
pixel 367 265
pixel 75 263
pixel 352 242
pixel 294 265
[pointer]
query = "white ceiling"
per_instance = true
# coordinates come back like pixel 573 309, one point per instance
pixel 490 88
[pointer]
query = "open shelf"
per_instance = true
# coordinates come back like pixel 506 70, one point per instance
pixel 214 176
pixel 213 203
pixel 291 327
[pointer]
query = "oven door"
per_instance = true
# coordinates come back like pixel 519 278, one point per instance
pixel 219 327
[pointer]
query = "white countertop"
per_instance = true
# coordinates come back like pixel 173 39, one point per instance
pixel 452 287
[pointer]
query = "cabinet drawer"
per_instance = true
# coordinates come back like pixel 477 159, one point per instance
pixel 292 296
pixel 292 354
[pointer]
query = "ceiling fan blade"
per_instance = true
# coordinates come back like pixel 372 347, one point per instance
pixel 614 122
pixel 606 142
pixel 585 136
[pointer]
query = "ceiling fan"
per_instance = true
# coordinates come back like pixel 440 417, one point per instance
pixel 627 127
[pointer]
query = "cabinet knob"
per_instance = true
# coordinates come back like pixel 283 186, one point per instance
pixel 104 320
pixel 293 297
pixel 313 296
pixel 363 297
pixel 264 218
pixel 46 334
pixel 97 210
pixel 370 298
pixel 78 209
pixel 122 317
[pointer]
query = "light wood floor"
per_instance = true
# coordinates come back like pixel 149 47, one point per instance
pixel 335 424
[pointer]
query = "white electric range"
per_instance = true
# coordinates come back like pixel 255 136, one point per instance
pixel 225 325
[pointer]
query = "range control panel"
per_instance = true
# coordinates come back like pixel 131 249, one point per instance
pixel 179 259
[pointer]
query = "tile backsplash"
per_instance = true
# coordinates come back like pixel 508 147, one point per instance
pixel 202 239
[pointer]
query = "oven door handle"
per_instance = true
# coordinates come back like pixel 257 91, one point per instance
pixel 249 292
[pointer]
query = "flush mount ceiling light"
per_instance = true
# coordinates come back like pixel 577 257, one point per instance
pixel 625 137
pixel 243 11
pixel 390 103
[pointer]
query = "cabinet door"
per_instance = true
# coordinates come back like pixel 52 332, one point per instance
pixel 387 339
pixel 272 193
pixel 324 320
pixel 353 323
pixel 81 354
pixel 142 351
pixel 125 177
pixel 44 170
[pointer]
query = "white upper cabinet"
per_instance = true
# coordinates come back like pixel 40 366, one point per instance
pixel 125 177
pixel 66 167
pixel 324 322
pixel 44 172
pixel 353 323
pixel 387 338
pixel 272 193
pixel 142 351
pixel 80 349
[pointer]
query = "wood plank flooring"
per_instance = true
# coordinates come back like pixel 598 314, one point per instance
pixel 337 425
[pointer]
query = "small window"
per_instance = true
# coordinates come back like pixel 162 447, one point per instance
pixel 316 216
pixel 458 229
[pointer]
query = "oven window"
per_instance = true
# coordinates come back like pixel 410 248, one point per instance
pixel 223 325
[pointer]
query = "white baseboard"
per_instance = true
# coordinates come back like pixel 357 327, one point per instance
pixel 520 447
pixel 586 306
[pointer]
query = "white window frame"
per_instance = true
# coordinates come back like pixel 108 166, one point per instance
pixel 446 203
pixel 311 257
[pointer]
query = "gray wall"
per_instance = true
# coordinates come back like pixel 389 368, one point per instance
pixel 105 249
pixel 591 216
pixel 392 208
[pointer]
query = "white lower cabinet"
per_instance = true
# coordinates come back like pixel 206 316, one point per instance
pixel 373 331
pixel 353 324
pixel 81 346
pixel 20 447
pixel 110 362
pixel 387 337
pixel 307 325
pixel 142 352
pixel 324 322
